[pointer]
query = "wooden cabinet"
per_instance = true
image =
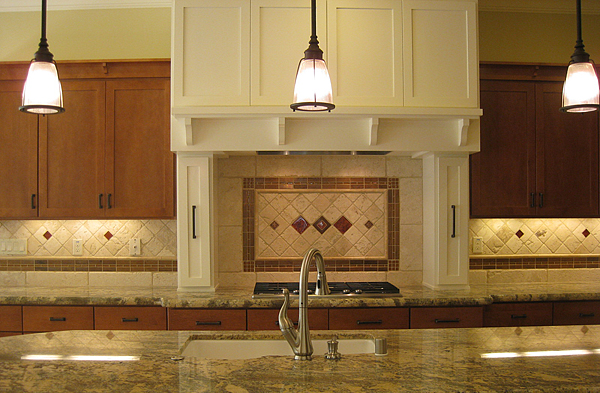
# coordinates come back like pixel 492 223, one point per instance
pixel 445 317
pixel 18 155
pixel 54 318
pixel 107 155
pixel 206 319
pixel 267 319
pixel 577 313
pixel 11 320
pixel 130 318
pixel 368 318
pixel 517 314
pixel 534 161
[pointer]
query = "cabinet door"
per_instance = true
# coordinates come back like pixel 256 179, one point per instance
pixel 18 155
pixel 54 318
pixel 71 157
pixel 577 313
pixel 267 319
pixel 368 318
pixel 567 157
pixel 364 52
pixel 517 314
pixel 130 318
pixel 503 172
pixel 139 162
pixel 445 317
pixel 11 319
pixel 206 319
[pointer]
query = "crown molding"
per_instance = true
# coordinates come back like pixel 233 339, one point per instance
pixel 54 5
pixel 539 6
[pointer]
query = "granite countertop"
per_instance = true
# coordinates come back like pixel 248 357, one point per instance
pixel 242 298
pixel 433 360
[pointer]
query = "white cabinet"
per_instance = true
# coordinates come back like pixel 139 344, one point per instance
pixel 195 252
pixel 445 221
pixel 380 53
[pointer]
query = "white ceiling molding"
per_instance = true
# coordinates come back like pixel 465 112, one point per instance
pixel 539 6
pixel 53 5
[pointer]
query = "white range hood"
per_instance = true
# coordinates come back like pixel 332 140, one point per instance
pixel 231 64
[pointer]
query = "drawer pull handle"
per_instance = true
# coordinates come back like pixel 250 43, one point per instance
pixel 515 316
pixel 586 315
pixel 379 322
pixel 455 320
pixel 100 201
pixel 33 201
pixel 193 221
pixel 453 235
pixel 54 319
pixel 211 323
pixel 129 320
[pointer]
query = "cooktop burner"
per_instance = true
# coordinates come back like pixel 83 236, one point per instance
pixel 265 289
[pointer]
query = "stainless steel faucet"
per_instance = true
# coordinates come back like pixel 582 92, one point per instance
pixel 299 339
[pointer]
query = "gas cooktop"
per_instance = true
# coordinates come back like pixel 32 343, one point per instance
pixel 364 289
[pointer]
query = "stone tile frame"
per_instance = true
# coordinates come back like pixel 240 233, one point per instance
pixel 251 185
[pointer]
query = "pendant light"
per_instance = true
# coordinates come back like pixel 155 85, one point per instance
pixel 580 91
pixel 312 91
pixel 42 93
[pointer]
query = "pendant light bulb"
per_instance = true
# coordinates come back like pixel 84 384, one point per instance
pixel 581 92
pixel 312 91
pixel 42 93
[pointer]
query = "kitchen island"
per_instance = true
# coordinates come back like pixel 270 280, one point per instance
pixel 532 359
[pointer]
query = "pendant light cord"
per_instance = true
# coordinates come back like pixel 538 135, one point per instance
pixel 313 51
pixel 580 55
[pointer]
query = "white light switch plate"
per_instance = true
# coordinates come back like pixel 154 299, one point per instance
pixel 77 247
pixel 477 245
pixel 13 246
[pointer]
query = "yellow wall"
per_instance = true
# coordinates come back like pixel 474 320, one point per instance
pixel 88 34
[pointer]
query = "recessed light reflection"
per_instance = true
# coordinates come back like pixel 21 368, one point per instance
pixel 567 352
pixel 96 358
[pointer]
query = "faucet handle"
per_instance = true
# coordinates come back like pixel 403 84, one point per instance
pixel 285 323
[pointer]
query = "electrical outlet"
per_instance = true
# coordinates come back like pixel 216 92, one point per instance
pixel 77 247
pixel 135 247
pixel 477 245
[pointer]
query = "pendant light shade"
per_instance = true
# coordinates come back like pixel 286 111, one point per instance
pixel 581 92
pixel 312 91
pixel 42 93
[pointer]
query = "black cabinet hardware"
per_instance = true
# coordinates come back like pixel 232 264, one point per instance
pixel 54 319
pixel 129 320
pixel 193 221
pixel 109 204
pixel 532 205
pixel 455 320
pixel 453 221
pixel 100 201
pixel 33 201
pixel 586 315
pixel 378 322
pixel 209 323
pixel 515 316
pixel 541 199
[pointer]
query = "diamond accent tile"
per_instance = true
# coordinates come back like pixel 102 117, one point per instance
pixel 110 335
pixel 519 233
pixel 108 235
pixel 47 235
pixel 342 224
pixel 300 225
pixel 586 233
pixel 322 225
pixel 274 225
pixel 585 329
pixel 369 224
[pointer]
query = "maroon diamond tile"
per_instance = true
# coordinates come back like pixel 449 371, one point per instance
pixel 300 225
pixel 47 235
pixel 322 225
pixel 519 233
pixel 108 235
pixel 586 233
pixel 369 224
pixel 274 225
pixel 342 224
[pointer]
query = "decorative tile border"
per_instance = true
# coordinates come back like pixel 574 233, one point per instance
pixel 534 263
pixel 89 265
pixel 251 185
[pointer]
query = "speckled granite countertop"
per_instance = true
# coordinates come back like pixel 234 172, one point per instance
pixel 435 360
pixel 410 296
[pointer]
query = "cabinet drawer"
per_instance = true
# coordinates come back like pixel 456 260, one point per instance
pixel 52 318
pixel 368 318
pixel 11 319
pixel 6 334
pixel 577 313
pixel 445 317
pixel 268 319
pixel 130 318
pixel 206 319
pixel 518 314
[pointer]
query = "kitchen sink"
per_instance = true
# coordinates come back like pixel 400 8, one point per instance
pixel 337 289
pixel 255 348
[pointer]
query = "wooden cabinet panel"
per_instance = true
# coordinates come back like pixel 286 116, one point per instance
pixel 53 318
pixel 517 314
pixel 503 172
pixel 7 334
pixel 576 313
pixel 11 319
pixel 139 162
pixel 445 317
pixel 567 157
pixel 267 319
pixel 18 155
pixel 206 319
pixel 130 318
pixel 368 318
pixel 71 167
